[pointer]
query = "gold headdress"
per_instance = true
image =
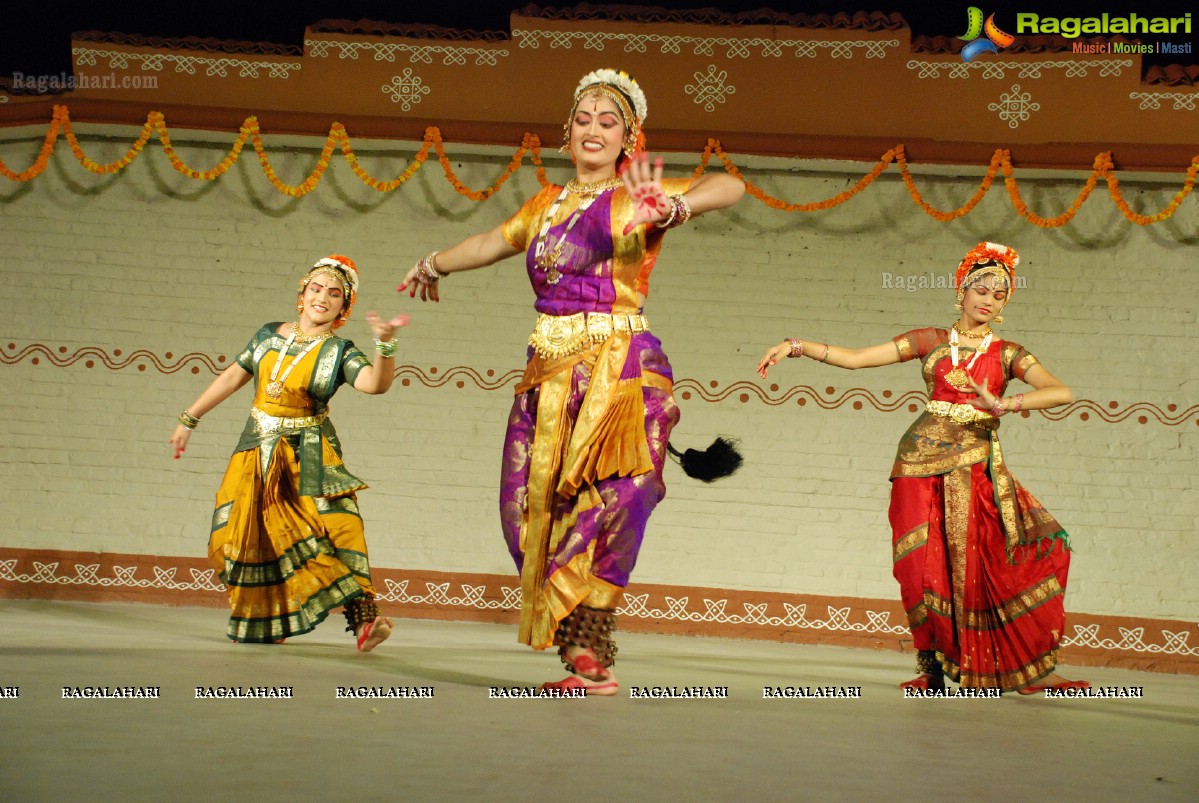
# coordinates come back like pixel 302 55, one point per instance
pixel 622 90
pixel 987 259
pixel 342 270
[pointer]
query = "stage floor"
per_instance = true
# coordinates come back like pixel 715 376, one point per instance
pixel 462 743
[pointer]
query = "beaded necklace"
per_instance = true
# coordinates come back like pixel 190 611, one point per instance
pixel 274 388
pixel 547 258
pixel 959 377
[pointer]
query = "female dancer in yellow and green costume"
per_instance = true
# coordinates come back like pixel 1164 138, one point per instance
pixel 287 538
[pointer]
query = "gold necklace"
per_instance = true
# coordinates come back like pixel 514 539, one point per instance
pixel 962 331
pixel 592 188
pixel 547 258
pixel 274 387
pixel 959 376
pixel 301 337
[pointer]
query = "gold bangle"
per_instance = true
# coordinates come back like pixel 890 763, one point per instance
pixel 427 272
pixel 823 356
pixel 188 420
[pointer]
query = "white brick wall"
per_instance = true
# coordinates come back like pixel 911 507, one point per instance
pixel 151 260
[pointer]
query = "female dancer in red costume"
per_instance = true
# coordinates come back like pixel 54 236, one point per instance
pixel 981 565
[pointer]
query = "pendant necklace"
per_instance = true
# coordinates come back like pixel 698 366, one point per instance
pixel 958 376
pixel 547 259
pixel 274 388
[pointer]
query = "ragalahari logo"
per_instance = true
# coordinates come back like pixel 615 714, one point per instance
pixel 995 38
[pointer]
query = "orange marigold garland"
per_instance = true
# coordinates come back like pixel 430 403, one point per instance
pixel 1103 164
pixel 60 124
pixel 964 209
pixel 43 156
pixel 64 120
pixel 160 124
pixel 777 203
pixel 1113 186
pixel 351 158
pixel 304 187
pixel 529 143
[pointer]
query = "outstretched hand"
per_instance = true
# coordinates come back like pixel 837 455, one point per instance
pixel 411 283
pixel 644 186
pixel 179 439
pixel 385 330
pixel 772 356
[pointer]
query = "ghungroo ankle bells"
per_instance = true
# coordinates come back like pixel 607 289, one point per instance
pixel 927 663
pixel 360 611
pixel 590 628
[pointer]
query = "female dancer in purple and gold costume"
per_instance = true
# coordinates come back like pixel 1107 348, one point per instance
pixel 981 564
pixel 587 436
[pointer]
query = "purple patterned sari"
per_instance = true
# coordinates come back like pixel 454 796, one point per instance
pixel 586 439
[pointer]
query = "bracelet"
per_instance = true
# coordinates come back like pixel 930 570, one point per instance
pixel 680 212
pixel 796 347
pixel 386 348
pixel 823 356
pixel 427 272
pixel 684 208
pixel 997 409
pixel 1019 403
pixel 188 420
pixel 669 222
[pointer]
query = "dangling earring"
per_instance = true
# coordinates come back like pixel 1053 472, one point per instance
pixel 299 307
pixel 958 306
pixel 629 146
pixel 997 319
pixel 565 149
pixel 634 141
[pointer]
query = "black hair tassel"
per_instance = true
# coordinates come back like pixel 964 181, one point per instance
pixel 719 460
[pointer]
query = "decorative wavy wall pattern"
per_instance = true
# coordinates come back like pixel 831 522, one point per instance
pixel 461 375
pixel 115 360
pixel 686 389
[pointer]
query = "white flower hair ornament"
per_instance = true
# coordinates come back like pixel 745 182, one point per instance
pixel 620 80
pixel 343 264
pixel 619 87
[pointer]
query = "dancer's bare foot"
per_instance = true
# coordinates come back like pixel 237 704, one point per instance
pixel 925 682
pixel 582 662
pixel 589 674
pixel 1054 681
pixel 372 634
pixel 594 688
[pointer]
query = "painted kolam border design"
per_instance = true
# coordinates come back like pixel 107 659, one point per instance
pixel 1091 639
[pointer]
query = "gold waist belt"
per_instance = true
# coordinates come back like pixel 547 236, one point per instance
pixel 963 414
pixel 557 336
pixel 274 423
